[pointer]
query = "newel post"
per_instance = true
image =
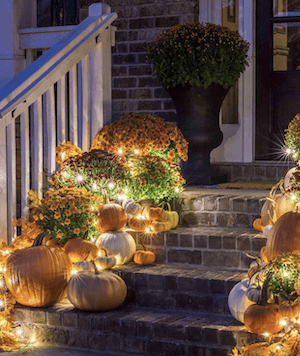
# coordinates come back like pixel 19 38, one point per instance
pixel 100 73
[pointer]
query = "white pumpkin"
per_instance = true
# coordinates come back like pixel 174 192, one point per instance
pixel 118 243
pixel 238 301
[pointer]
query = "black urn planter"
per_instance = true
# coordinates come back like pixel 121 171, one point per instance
pixel 198 118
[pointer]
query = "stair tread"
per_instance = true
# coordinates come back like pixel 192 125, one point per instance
pixel 182 271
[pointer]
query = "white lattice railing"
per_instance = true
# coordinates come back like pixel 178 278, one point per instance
pixel 64 95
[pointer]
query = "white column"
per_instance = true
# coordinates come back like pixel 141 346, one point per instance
pixel 14 14
pixel 210 11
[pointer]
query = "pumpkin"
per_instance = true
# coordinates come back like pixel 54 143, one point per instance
pixel 283 204
pixel 143 257
pixel 284 236
pixel 289 309
pixel 42 238
pixel 258 225
pixel 156 214
pixel 131 207
pixel 255 266
pixel 96 291
pixel 80 250
pixel 139 223
pixel 238 301
pixel 171 216
pixel 268 215
pixel 106 262
pixel 54 242
pixel 254 289
pixel 118 242
pixel 160 226
pixel 111 217
pixel 37 276
pixel 267 229
pixel 84 266
pixel 263 317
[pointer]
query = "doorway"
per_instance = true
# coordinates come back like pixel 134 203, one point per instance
pixel 277 73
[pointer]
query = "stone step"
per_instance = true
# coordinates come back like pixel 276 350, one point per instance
pixel 179 288
pixel 219 207
pixel 134 330
pixel 213 247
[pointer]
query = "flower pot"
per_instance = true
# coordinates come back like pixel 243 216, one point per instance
pixel 198 118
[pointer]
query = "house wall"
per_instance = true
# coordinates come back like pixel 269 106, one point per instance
pixel 134 89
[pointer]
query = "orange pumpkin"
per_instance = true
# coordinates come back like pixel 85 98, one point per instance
pixel 156 214
pixel 283 204
pixel 284 235
pixel 289 309
pixel 258 225
pixel 263 254
pixel 143 257
pixel 80 250
pixel 111 217
pixel 263 317
pixel 160 226
pixel 138 223
pixel 38 276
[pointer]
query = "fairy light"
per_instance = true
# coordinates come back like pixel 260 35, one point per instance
pixel 33 339
pixel 126 191
pixel 147 230
pixel 79 178
pixel 293 197
pixel 285 274
pixel 288 151
pixel 65 174
pixel 120 151
pixel 278 347
pixel 95 186
pixel 1 283
pixel 283 322
pixel 74 271
pixel 111 185
pixel 6 252
pixel 132 173
pixel 136 151
pixel 2 303
pixel 63 155
pixel 177 190
pixel 266 334
pixel 19 332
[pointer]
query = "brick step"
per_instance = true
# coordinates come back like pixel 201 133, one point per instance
pixel 214 247
pixel 219 207
pixel 179 288
pixel 134 330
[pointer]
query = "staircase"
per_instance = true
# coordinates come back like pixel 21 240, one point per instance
pixel 177 306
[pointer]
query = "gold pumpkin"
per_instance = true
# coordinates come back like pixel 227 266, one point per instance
pixel 111 217
pixel 139 223
pixel 96 291
pixel 80 250
pixel 160 226
pixel 143 257
pixel 38 276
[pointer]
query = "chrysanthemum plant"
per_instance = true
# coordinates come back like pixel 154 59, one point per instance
pixel 198 55
pixel 152 149
pixel 68 212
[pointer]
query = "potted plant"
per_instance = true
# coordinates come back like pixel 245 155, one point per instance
pixel 198 64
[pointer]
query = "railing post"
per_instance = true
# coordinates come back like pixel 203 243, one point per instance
pixel 3 182
pixel 100 75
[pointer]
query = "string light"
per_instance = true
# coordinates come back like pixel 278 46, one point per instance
pixel 111 185
pixel 136 152
pixel 65 174
pixel 74 271
pixel 120 151
pixel 288 151
pixel 283 322
pixel 266 334
pixel 95 186
pixel 79 178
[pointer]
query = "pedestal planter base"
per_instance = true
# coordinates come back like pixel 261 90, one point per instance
pixel 198 119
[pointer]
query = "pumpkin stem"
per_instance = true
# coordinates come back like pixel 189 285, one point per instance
pixel 38 241
pixel 95 267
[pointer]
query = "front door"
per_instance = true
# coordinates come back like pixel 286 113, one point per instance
pixel 277 73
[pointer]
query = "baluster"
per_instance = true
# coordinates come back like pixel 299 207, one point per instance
pixel 73 109
pixel 25 161
pixel 61 110
pixel 3 182
pixel 11 178
pixel 50 132
pixel 85 103
pixel 37 147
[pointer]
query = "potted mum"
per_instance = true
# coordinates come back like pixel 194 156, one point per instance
pixel 198 64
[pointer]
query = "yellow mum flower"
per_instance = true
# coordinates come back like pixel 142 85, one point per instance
pixel 76 231
pixel 68 212
pixel 84 229
pixel 41 217
pixel 67 221
pixel 57 215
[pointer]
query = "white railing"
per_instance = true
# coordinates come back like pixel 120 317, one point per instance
pixel 64 95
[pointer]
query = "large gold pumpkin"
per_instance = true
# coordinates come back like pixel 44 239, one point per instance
pixel 111 217
pixel 99 291
pixel 284 235
pixel 38 276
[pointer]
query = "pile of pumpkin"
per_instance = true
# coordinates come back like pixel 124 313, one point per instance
pixel 43 274
pixel 250 301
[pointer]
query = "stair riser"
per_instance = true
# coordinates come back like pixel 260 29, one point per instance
pixel 134 334
pixel 205 248
pixel 215 210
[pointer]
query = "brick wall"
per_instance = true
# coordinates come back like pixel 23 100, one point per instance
pixel 139 22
